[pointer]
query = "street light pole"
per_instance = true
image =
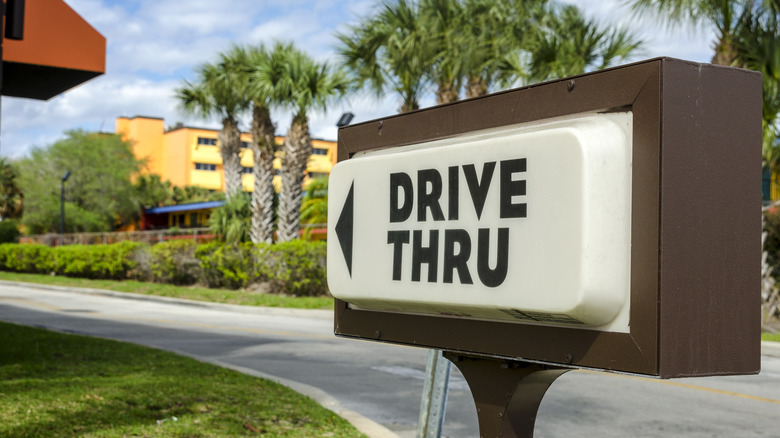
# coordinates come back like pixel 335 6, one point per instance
pixel 62 204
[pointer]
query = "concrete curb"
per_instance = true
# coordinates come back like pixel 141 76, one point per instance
pixel 361 423
pixel 771 349
pixel 309 313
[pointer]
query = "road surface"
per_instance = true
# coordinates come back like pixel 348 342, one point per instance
pixel 383 383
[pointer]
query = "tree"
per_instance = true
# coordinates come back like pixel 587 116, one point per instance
pixel 444 21
pixel 570 44
pixel 99 195
pixel 392 50
pixel 190 194
pixel 231 222
pixel 314 209
pixel 723 15
pixel 261 69
pixel 219 92
pixel 151 191
pixel 757 44
pixel 11 197
pixel 476 44
pixel 307 85
pixel 497 37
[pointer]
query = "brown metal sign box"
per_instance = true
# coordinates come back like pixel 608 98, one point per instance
pixel 59 51
pixel 695 222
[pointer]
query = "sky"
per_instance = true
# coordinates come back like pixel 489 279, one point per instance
pixel 153 45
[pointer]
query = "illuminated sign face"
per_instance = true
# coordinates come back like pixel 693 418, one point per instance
pixel 527 223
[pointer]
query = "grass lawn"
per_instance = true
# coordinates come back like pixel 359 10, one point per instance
pixel 227 296
pixel 57 385
pixel 770 337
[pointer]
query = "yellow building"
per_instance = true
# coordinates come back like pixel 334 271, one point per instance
pixel 188 156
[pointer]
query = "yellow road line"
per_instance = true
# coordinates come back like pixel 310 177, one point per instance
pixel 30 303
pixel 688 386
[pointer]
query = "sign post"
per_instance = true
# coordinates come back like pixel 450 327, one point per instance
pixel 606 221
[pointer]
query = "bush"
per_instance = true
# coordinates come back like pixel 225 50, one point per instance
pixel 115 261
pixel 174 262
pixel 225 265
pixel 297 268
pixel 36 259
pixel 772 243
pixel 9 231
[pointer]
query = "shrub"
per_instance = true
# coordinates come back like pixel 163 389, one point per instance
pixel 114 261
pixel 174 262
pixel 296 268
pixel 772 243
pixel 37 259
pixel 226 265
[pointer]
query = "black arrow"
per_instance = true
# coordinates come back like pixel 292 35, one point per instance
pixel 344 228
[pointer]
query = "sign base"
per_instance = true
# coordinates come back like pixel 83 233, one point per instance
pixel 507 393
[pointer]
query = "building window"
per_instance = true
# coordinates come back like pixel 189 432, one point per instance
pixel 207 141
pixel 244 144
pixel 245 169
pixel 319 151
pixel 205 166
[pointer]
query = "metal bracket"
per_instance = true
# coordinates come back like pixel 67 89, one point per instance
pixel 507 393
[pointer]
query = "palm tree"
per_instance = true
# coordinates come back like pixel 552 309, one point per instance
pixel 487 42
pixel 723 15
pixel 11 196
pixel 231 222
pixel 307 85
pixel 571 44
pixel 443 22
pixel 757 44
pixel 260 70
pixel 392 50
pixel 218 92
pixel 746 33
pixel 314 209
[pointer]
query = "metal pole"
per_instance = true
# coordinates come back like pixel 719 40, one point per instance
pixel 62 209
pixel 434 398
pixel 62 205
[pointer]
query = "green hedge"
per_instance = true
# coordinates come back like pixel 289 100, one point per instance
pixel 297 267
pixel 113 262
pixel 174 262
pixel 86 261
pixel 230 266
pixel 36 259
pixel 294 268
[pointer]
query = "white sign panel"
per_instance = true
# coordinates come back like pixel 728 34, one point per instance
pixel 525 223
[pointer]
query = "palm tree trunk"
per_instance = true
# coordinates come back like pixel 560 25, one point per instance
pixel 476 87
pixel 447 93
pixel 229 149
pixel 263 149
pixel 725 52
pixel 296 152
